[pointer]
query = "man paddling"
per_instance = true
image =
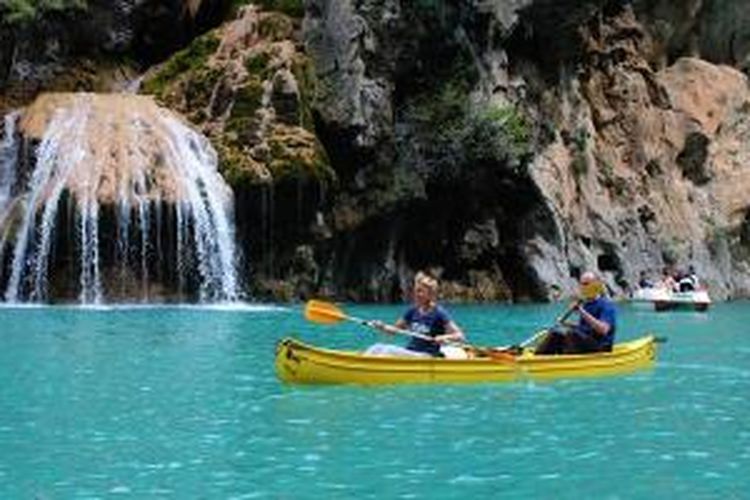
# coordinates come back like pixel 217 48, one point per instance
pixel 595 330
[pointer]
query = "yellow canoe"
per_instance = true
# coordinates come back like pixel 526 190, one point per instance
pixel 300 363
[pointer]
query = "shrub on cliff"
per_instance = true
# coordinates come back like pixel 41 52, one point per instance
pixel 453 135
pixel 500 133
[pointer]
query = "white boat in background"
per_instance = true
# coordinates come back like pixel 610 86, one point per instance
pixel 649 294
pixel 665 300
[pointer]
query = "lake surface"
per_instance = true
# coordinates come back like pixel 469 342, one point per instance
pixel 183 402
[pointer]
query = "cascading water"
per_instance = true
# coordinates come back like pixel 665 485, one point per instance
pixel 121 200
pixel 8 155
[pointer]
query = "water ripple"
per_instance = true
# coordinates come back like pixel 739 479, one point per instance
pixel 186 404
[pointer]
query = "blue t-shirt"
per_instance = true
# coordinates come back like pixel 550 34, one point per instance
pixel 602 309
pixel 432 323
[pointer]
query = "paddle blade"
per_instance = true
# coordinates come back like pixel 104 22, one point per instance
pixel 323 312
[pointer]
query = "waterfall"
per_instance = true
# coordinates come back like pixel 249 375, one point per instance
pixel 150 213
pixel 8 154
pixel 196 163
pixel 50 170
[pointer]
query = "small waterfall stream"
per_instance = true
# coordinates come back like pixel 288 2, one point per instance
pixel 8 154
pixel 127 188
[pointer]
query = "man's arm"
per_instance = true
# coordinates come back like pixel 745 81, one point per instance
pixel 599 326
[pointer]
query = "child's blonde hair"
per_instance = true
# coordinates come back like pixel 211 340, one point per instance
pixel 427 281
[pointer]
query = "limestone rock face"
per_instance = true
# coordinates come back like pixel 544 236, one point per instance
pixel 646 171
pixel 636 112
pixel 354 66
pixel 715 30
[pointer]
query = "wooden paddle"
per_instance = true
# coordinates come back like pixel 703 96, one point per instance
pixel 541 333
pixel 326 313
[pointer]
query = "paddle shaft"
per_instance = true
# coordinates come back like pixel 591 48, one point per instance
pixel 487 351
pixel 389 328
pixel 541 333
pixel 327 313
pixel 401 331
pixel 573 308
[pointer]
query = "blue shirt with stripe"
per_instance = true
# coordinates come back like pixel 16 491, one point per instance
pixel 431 323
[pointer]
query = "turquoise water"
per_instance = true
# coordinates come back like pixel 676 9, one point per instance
pixel 184 403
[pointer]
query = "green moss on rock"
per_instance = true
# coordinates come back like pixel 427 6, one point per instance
pixel 238 168
pixel 296 153
pixel 258 65
pixel 199 87
pixel 189 59
pixel 247 100
pixel 21 12
pixel 304 72
pixel 513 124
pixel 275 27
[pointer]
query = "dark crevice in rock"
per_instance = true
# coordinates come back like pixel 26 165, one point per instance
pixel 340 143
pixel 276 220
pixel 744 231
pixel 692 159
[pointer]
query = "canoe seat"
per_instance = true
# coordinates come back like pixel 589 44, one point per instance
pixel 454 352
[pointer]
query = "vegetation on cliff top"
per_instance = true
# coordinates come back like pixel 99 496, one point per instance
pixel 293 8
pixel 24 11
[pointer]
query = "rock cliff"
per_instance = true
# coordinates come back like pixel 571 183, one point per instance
pixel 505 145
pixel 619 145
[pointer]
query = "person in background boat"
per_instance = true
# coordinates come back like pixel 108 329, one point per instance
pixel 667 281
pixel 595 330
pixel 694 277
pixel 688 281
pixel 425 317
pixel 644 281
